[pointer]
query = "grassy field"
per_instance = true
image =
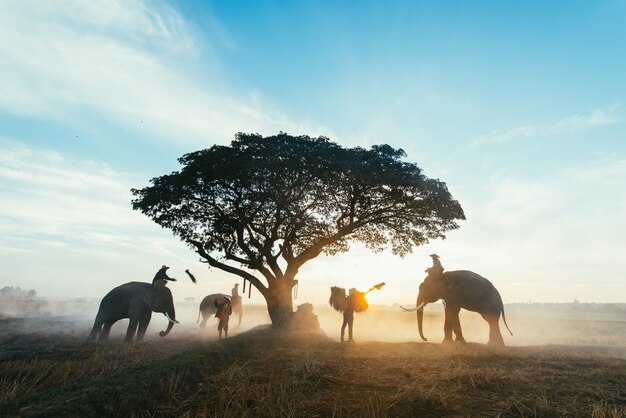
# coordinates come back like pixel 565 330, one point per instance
pixel 46 369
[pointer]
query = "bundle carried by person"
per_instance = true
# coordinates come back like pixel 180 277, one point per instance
pixel 339 301
pixel 338 298
pixel 360 303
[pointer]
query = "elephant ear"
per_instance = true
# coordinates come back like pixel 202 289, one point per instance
pixel 445 281
pixel 157 298
pixel 150 297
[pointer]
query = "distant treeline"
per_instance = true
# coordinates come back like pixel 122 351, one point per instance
pixel 9 292
pixel 616 311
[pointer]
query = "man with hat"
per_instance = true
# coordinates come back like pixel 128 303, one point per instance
pixel 161 278
pixel 437 269
pixel 236 301
pixel 235 291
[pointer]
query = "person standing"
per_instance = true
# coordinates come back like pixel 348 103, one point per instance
pixel 224 311
pixel 348 315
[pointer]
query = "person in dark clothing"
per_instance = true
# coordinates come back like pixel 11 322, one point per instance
pixel 348 315
pixel 161 278
pixel 223 313
pixel 436 269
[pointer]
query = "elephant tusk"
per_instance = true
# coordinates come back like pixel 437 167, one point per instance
pixel 417 308
pixel 173 321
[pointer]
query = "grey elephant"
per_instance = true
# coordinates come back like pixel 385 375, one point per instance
pixel 462 289
pixel 208 306
pixel 136 301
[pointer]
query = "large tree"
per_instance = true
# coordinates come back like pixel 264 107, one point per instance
pixel 270 204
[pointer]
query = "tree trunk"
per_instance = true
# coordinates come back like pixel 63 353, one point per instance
pixel 280 301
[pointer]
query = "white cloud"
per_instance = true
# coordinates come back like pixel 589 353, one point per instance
pixel 66 224
pixel 566 227
pixel 132 62
pixel 571 124
pixel 45 192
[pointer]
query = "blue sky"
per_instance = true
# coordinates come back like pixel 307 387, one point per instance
pixel 518 106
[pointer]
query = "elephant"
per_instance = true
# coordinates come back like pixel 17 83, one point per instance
pixel 461 289
pixel 208 307
pixel 136 301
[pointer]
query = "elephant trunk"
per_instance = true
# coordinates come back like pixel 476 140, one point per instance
pixel 420 319
pixel 171 316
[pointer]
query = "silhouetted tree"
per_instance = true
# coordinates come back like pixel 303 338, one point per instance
pixel 272 204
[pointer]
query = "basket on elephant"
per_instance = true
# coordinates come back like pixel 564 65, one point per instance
pixel 360 303
pixel 338 298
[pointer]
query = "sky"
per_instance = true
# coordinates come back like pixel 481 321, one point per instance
pixel 519 107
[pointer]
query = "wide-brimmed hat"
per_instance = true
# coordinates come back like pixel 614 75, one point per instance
pixel 236 284
pixel 434 256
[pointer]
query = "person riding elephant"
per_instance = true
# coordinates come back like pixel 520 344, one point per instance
pixel 136 301
pixel 236 300
pixel 161 278
pixel 461 289
pixel 437 268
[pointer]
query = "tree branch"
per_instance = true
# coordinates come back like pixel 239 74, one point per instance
pixel 229 269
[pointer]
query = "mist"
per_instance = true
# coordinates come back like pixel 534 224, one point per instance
pixel 531 324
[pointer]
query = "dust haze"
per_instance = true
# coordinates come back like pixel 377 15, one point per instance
pixel 531 324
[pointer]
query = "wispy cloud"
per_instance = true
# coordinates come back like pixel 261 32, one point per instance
pixel 568 222
pixel 571 124
pixel 129 62
pixel 67 223
pixel 44 192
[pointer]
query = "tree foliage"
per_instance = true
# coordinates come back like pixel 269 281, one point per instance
pixel 271 204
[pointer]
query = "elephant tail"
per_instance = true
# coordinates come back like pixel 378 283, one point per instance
pixel 504 319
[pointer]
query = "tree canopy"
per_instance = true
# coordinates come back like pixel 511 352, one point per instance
pixel 273 203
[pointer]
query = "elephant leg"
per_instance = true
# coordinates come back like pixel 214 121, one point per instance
pixel 205 316
pixel 451 318
pixel 495 337
pixel 143 325
pixel 106 329
pixel 97 328
pixel 132 328
pixel 456 328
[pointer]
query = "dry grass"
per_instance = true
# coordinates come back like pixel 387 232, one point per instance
pixel 265 373
pixel 385 379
